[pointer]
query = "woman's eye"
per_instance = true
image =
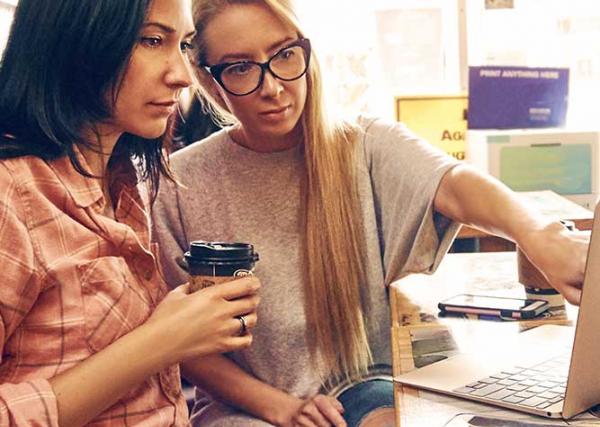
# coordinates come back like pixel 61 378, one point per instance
pixel 187 46
pixel 238 69
pixel 286 54
pixel 151 41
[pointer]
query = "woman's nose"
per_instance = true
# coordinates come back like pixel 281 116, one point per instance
pixel 180 71
pixel 271 85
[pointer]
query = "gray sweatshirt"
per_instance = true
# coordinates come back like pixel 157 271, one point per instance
pixel 234 194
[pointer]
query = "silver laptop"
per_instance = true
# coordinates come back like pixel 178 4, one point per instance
pixel 552 371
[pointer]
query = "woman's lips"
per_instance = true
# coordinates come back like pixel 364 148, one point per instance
pixel 166 107
pixel 275 113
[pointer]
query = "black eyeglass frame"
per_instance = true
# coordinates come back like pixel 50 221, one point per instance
pixel 217 69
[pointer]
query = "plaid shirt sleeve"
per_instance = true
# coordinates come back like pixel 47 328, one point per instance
pixel 31 402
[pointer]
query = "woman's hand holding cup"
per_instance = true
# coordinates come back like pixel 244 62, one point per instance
pixel 207 321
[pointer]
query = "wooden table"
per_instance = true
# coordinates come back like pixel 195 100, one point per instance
pixel 420 337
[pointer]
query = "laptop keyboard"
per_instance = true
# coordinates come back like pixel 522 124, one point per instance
pixel 539 386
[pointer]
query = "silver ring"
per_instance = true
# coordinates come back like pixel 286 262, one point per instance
pixel 243 327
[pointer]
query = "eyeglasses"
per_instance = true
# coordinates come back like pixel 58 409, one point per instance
pixel 244 77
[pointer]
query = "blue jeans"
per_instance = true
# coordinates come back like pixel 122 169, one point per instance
pixel 363 398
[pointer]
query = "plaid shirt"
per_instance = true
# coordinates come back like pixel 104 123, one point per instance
pixel 73 281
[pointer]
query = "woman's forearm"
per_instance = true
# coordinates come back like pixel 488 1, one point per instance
pixel 472 198
pixel 228 382
pixel 205 322
pixel 95 384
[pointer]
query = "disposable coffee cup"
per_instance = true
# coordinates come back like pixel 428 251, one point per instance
pixel 211 263
pixel 536 284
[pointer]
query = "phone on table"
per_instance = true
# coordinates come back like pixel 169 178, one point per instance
pixel 500 307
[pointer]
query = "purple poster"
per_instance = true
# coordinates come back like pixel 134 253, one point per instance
pixel 517 97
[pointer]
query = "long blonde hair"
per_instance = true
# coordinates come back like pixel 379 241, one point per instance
pixel 336 288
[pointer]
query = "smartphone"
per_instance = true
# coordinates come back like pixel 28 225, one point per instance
pixel 515 308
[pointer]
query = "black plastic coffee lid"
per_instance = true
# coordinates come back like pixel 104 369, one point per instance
pixel 221 251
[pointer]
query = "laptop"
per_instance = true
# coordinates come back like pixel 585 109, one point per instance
pixel 551 371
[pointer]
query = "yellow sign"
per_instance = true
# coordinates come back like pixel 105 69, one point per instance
pixel 441 120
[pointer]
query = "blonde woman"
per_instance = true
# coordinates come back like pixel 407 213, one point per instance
pixel 336 210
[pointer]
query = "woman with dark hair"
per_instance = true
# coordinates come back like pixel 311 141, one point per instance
pixel 86 323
